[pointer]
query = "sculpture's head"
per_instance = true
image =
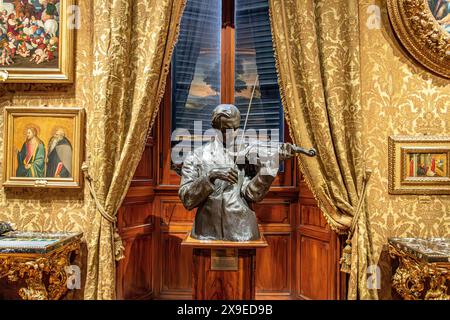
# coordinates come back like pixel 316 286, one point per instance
pixel 226 118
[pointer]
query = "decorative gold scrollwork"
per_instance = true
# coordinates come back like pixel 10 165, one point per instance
pixel 412 276
pixel 421 34
pixel 439 277
pixel 16 267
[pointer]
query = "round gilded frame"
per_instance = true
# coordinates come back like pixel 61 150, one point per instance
pixel 421 34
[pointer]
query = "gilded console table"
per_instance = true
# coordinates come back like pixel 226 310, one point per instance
pixel 40 259
pixel 424 268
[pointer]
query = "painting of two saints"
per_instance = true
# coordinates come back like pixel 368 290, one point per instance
pixel 36 160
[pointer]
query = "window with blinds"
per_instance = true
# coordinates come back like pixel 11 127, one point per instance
pixel 255 56
pixel 197 65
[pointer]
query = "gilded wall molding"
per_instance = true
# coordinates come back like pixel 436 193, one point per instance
pixel 421 34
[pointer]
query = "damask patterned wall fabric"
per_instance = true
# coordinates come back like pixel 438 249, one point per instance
pixel 55 209
pixel 399 96
pixel 50 210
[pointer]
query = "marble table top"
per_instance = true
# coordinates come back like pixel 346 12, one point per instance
pixel 35 242
pixel 427 250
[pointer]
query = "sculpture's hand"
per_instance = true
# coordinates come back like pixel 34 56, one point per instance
pixel 286 151
pixel 226 174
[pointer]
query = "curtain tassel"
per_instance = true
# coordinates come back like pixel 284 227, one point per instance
pixel 119 249
pixel 346 259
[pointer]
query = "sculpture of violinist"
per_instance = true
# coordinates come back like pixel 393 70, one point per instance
pixel 221 188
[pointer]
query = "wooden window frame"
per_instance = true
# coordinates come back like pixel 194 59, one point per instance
pixel 228 50
pixel 166 178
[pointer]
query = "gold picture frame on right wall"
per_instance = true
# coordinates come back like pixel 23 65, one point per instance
pixel 419 165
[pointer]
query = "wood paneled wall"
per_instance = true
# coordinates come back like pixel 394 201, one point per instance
pixel 301 261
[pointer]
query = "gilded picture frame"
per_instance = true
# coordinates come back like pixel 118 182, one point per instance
pixel 39 47
pixel 423 27
pixel 43 147
pixel 419 165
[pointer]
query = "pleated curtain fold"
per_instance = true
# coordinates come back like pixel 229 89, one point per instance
pixel 133 43
pixel 318 63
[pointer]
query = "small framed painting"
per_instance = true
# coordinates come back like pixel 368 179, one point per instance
pixel 419 165
pixel 43 147
pixel 37 40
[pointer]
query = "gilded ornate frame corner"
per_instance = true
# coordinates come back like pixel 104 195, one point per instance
pixel 421 34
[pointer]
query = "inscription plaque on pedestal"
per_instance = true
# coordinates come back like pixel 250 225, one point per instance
pixel 224 259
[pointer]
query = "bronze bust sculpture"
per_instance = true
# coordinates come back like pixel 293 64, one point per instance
pixel 221 187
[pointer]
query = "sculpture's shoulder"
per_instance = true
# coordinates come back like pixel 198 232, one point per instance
pixel 193 158
pixel 203 152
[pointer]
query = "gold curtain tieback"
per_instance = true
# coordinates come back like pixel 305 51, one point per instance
pixel 117 240
pixel 346 259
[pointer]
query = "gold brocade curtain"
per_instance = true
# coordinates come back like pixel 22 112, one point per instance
pixel 317 48
pixel 133 42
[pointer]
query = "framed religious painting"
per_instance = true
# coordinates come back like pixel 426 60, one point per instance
pixel 419 165
pixel 43 147
pixel 423 27
pixel 37 40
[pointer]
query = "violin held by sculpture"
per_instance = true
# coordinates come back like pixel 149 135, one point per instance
pixel 265 149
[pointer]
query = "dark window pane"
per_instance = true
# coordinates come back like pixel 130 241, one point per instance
pixel 255 56
pixel 196 65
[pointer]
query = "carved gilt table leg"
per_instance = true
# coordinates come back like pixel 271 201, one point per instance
pixel 58 275
pixel 32 270
pixel 15 268
pixel 417 279
pixel 35 289
pixel 438 284
pixel 409 279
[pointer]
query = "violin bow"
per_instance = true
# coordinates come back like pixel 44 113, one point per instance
pixel 309 152
pixel 246 117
